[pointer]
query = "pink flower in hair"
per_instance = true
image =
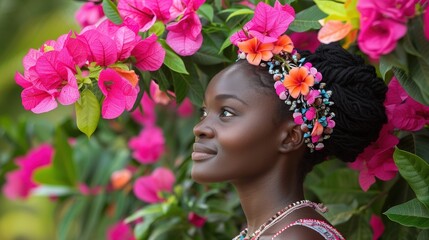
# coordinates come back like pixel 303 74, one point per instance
pixel 377 226
pixel 403 112
pixel 150 188
pixel 89 13
pixel 120 231
pixel 377 159
pixel 19 183
pixel 149 145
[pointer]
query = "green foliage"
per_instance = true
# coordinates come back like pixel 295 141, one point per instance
pixel 307 19
pixel 87 112
pixel 412 214
pixel 111 11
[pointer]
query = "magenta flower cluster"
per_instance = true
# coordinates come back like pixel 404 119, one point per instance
pixel 59 69
pixel 382 24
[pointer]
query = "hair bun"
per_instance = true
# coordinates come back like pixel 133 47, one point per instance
pixel 358 96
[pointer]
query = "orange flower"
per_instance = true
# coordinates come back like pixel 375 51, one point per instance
pixel 298 81
pixel 284 44
pixel 256 51
pixel 120 178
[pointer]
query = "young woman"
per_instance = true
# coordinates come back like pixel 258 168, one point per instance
pixel 264 137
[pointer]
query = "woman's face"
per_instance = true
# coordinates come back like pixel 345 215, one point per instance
pixel 237 137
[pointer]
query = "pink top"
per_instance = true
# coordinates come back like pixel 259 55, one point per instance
pixel 324 229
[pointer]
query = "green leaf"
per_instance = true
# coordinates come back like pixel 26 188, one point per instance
pixel 335 8
pixel 244 11
pixel 341 186
pixel 397 58
pixel 206 10
pixel 356 229
pixel 307 19
pixel 87 112
pixel 195 88
pixel 415 171
pixel 153 209
pixel 180 87
pixel 62 170
pixel 111 11
pixel 412 214
pixel 423 235
pixel 208 54
pixel 340 213
pixel 158 28
pixel 172 60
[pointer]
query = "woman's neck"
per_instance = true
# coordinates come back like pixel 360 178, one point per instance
pixel 263 197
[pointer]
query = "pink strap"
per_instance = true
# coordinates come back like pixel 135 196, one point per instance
pixel 324 229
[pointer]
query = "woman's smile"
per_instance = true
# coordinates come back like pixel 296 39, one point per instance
pixel 203 152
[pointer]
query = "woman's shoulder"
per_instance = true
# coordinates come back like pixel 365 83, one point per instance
pixel 308 229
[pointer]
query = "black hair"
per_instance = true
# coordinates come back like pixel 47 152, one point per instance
pixel 358 96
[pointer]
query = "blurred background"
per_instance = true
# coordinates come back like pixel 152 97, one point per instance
pixel 26 24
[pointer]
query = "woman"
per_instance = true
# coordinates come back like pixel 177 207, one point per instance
pixel 252 137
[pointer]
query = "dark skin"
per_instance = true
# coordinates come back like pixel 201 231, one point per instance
pixel 242 140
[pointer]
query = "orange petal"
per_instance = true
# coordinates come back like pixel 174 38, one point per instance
pixel 334 30
pixel 120 178
pixel 265 47
pixel 131 76
pixel 283 44
pixel 305 89
pixel 266 55
pixel 254 58
pixel 302 73
pixel 317 129
pixel 295 92
pixel 248 46
pixel 309 80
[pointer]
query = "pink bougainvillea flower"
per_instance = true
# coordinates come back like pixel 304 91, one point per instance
pixel 161 8
pixel 298 81
pixel 377 226
pixel 378 35
pixel 149 54
pixel 377 159
pixel 150 188
pixel 184 36
pixel 119 94
pixel 305 40
pixel 158 96
pixel 120 231
pixel 89 14
pixel 19 183
pixel 149 145
pixel 88 191
pixel 256 51
pixel 147 116
pixel 139 11
pixel 267 24
pixel 403 112
pixel 196 220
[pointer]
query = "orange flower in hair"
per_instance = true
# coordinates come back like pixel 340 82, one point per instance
pixel 283 44
pixel 298 81
pixel 256 51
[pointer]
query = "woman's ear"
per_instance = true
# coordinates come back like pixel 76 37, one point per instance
pixel 291 137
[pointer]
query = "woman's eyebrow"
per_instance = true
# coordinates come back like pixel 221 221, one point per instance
pixel 227 96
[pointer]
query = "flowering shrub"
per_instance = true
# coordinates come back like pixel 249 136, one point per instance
pixel 142 68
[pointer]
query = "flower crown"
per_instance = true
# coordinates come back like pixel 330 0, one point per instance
pixel 298 84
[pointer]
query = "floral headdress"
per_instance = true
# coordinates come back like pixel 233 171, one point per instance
pixel 298 84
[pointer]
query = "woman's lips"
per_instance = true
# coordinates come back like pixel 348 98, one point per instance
pixel 202 152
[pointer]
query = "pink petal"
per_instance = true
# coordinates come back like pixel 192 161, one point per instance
pixel 38 101
pixel 18 184
pixel 164 178
pixel 366 180
pixel 125 40
pixel 161 8
pixel 21 81
pixel 137 10
pixel 120 231
pixel 77 48
pixel 112 85
pixel 30 58
pixel 182 44
pixel 69 93
pixel 186 108
pixel 101 48
pixel 149 54
pixel 52 69
pixel 145 189
pixel 377 226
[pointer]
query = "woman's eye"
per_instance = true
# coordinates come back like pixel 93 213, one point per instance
pixel 226 113
pixel 203 113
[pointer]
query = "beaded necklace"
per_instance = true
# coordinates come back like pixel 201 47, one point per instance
pixel 277 217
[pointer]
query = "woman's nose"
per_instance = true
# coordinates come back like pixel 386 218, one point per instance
pixel 203 129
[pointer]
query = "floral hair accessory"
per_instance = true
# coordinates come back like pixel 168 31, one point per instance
pixel 297 83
